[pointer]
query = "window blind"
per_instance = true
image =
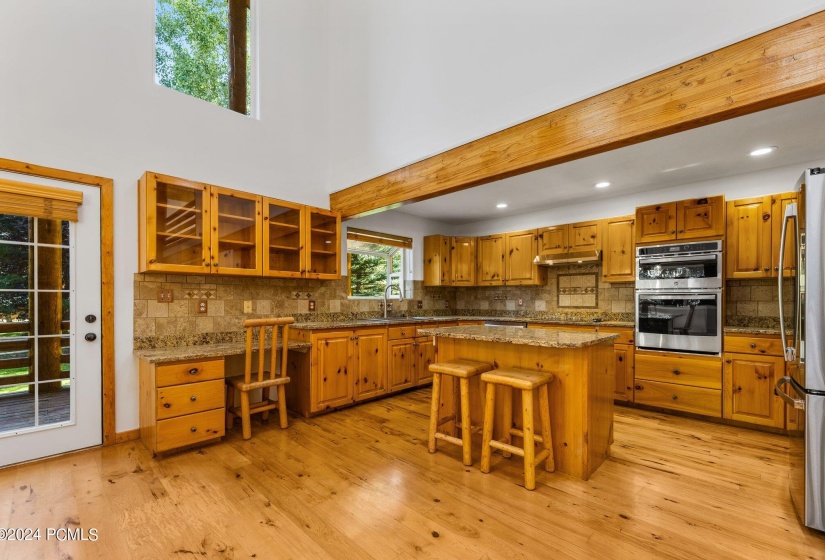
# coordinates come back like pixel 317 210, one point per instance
pixel 382 238
pixel 38 201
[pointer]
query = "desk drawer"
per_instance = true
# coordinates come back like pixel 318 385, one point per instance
pixel 753 345
pixel 188 372
pixel 698 400
pixel 178 400
pixel 695 371
pixel 407 331
pixel 189 429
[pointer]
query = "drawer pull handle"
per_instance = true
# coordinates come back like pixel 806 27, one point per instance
pixel 676 372
pixel 674 397
pixel 193 371
pixel 753 345
pixel 166 405
pixel 193 398
pixel 193 429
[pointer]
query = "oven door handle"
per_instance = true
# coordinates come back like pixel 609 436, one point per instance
pixel 678 258
pixel 654 295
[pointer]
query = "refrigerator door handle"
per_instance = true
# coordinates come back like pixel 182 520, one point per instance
pixel 789 400
pixel 790 214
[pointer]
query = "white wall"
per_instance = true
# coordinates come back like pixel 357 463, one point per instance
pixel 760 183
pixel 78 94
pixel 412 79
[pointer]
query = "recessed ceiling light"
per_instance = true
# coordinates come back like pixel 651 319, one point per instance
pixel 763 151
pixel 501 205
pixel 603 185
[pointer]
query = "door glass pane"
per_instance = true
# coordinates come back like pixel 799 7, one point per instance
pixel 52 358
pixel 323 244
pixel 53 268
pixel 694 317
pixel 16 407
pixel 14 266
pixel 15 313
pixel 15 361
pixel 53 402
pixel 16 228
pixel 179 236
pixel 284 238
pixel 236 232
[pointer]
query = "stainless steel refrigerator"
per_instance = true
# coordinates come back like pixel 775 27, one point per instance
pixel 802 258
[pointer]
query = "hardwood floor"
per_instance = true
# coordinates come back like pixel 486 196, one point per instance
pixel 360 484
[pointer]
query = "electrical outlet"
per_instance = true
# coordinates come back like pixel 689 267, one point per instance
pixel 165 295
pixel 247 306
pixel 312 305
pixel 521 302
pixel 389 306
pixel 202 306
pixel 419 304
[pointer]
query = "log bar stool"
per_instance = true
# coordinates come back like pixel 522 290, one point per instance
pixel 526 381
pixel 265 378
pixel 461 371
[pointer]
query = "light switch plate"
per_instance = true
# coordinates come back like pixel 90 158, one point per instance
pixel 166 295
pixel 521 302
pixel 247 306
pixel 202 306
pixel 419 304
pixel 312 305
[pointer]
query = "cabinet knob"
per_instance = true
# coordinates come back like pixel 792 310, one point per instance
pixel 215 264
pixel 753 345
pixel 674 397
pixel 767 269
pixel 676 372
pixel 166 405
pixel 638 387
pixel 193 429
pixel 776 268
pixel 672 231
pixel 727 361
pixel 193 398
pixel 193 371
pixel 681 231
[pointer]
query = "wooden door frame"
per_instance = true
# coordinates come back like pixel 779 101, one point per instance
pixel 107 280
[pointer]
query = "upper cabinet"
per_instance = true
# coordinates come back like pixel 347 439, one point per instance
pixel 520 248
pixel 582 236
pixel 754 232
pixel 779 203
pixel 619 260
pixel 687 219
pixel 490 250
pixel 437 252
pixel 463 261
pixel 190 227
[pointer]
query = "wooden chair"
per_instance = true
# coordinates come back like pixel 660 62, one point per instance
pixel 526 381
pixel 461 371
pixel 264 379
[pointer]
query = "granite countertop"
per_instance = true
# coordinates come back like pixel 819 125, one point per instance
pixel 751 330
pixel 396 321
pixel 527 337
pixel 200 351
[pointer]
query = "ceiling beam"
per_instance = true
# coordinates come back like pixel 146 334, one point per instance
pixel 780 66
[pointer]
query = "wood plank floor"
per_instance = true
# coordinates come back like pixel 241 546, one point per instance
pixel 360 484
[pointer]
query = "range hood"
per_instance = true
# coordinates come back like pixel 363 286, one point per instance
pixel 568 258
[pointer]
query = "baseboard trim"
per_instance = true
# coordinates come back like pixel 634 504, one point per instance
pixel 128 435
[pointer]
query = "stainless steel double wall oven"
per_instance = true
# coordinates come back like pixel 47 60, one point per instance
pixel 679 297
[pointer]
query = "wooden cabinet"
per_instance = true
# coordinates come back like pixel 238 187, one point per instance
pixel 181 403
pixel 520 248
pixel 695 218
pixel 490 259
pixel 425 355
pixel 437 253
pixel 749 385
pixel 619 259
pixel 401 364
pixel 463 261
pixel 624 367
pixel 779 203
pixel 748 253
pixel 370 363
pixel 680 382
pixel 581 236
pixel 190 227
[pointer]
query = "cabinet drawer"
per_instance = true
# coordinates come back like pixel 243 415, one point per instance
pixel 178 400
pixel 684 370
pixel 189 429
pixel 626 336
pixel 753 345
pixel 679 397
pixel 188 372
pixel 394 333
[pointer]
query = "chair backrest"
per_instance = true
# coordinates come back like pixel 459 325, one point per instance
pixel 261 325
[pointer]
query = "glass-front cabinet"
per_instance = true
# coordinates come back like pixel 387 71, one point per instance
pixel 236 232
pixel 323 242
pixel 284 254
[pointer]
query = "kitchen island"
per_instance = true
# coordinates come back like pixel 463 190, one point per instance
pixel 581 394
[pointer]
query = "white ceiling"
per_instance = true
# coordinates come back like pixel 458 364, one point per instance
pixel 710 152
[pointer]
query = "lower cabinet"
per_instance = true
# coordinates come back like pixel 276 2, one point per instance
pixel 679 382
pixel 401 368
pixel 623 390
pixel 370 364
pixel 749 385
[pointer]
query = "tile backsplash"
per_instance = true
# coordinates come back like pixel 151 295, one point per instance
pixel 755 303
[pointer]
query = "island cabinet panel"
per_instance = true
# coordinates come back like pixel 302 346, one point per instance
pixel 402 364
pixel 749 389
pixel 656 223
pixel 332 358
pixel 370 363
pixel 779 203
pixel 748 251
pixel 700 217
pixel 490 260
pixel 521 248
pixel 619 259
pixel 424 356
pixel 437 264
pixel 463 261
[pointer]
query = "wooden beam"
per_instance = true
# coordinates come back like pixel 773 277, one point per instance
pixel 237 55
pixel 107 271
pixel 780 66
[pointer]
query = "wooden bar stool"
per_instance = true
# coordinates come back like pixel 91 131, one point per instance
pixel 266 378
pixel 461 371
pixel 526 381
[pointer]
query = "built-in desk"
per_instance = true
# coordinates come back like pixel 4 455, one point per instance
pixel 182 395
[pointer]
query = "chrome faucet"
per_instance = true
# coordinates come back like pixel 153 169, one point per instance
pixel 387 290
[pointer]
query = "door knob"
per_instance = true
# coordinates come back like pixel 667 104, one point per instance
pixel 90 337
pixel 91 319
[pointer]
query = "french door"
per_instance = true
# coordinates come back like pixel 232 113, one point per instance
pixel 50 347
